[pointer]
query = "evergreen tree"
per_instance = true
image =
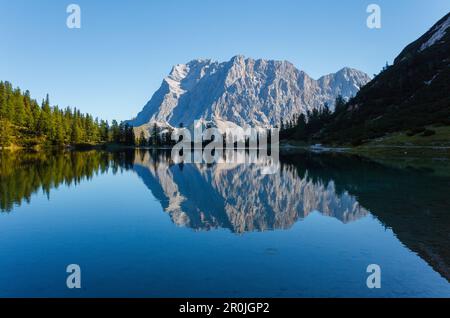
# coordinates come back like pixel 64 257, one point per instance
pixel 9 106
pixel 104 131
pixel 325 115
pixel 167 140
pixel 25 122
pixel 115 131
pixel 5 133
pixel 59 138
pixel 130 139
pixel 339 104
pixel 3 105
pixel 45 120
pixel 75 136
pixel 28 116
pixel 155 135
pixel 142 142
pixel 300 129
pixel 19 108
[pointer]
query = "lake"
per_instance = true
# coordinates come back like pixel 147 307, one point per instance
pixel 140 226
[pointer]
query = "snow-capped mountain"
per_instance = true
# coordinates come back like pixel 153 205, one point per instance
pixel 243 91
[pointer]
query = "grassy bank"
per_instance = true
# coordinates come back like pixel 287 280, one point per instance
pixel 428 142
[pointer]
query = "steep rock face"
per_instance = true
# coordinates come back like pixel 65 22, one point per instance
pixel 345 82
pixel 246 92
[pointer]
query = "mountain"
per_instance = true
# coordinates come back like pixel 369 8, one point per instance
pixel 407 96
pixel 243 91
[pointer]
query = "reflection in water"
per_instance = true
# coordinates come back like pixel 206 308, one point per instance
pixel 22 174
pixel 414 204
pixel 240 197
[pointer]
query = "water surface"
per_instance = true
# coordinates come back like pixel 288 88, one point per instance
pixel 139 225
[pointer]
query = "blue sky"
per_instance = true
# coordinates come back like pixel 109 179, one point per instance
pixel 113 64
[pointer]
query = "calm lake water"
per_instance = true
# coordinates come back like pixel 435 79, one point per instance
pixel 139 225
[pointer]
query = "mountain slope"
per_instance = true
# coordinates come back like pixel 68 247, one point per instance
pixel 258 93
pixel 412 93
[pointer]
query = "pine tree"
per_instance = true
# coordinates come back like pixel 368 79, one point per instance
pixel 24 119
pixel 142 142
pixel 59 133
pixel 5 133
pixel 167 138
pixel 3 106
pixel 104 131
pixel 19 109
pixel 339 104
pixel 130 139
pixel 35 114
pixel 325 114
pixel 75 136
pixel 300 129
pixel 115 131
pixel 9 102
pixel 155 136
pixel 28 116
pixel 45 120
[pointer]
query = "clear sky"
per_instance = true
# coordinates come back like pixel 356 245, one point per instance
pixel 113 64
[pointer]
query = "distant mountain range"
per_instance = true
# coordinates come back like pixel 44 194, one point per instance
pixel 408 95
pixel 244 92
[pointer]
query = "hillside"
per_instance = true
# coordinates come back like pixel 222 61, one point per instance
pixel 407 96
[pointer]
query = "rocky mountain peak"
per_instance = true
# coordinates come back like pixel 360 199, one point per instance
pixel 243 91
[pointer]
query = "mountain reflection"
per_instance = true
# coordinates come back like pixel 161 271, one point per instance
pixel 239 196
pixel 413 203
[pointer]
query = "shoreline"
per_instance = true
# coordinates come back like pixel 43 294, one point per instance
pixel 394 150
pixel 371 151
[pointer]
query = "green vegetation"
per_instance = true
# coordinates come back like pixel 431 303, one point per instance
pixel 23 173
pixel 405 97
pixel 308 129
pixel 25 123
pixel 429 136
pixel 304 128
pixel 408 145
pixel 407 103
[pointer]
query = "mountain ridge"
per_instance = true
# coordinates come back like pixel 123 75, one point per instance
pixel 243 91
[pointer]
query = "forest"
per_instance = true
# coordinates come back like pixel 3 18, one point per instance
pixel 27 124
pixel 305 127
